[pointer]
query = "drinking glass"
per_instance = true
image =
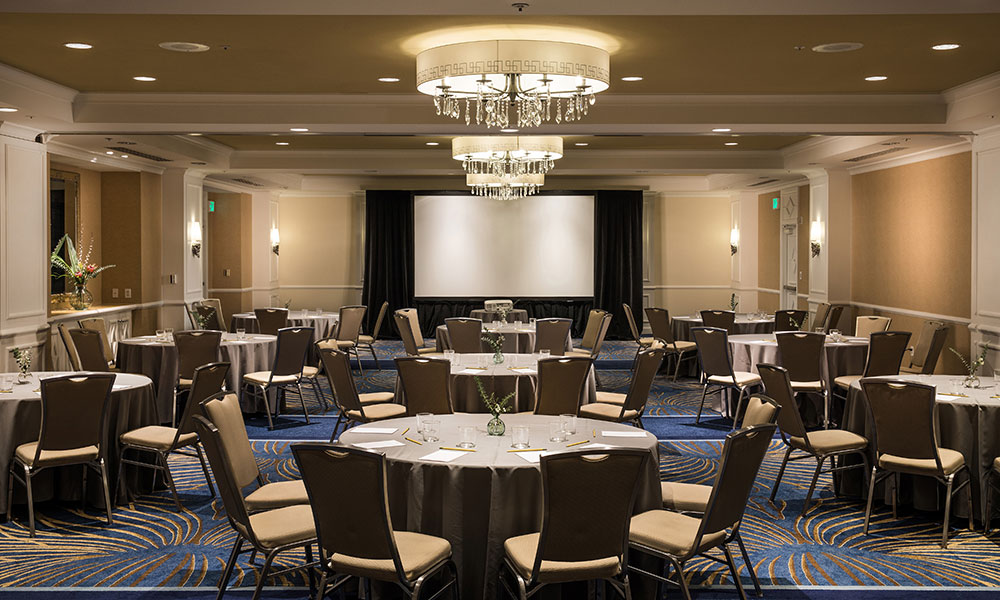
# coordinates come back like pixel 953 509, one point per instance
pixel 170 333
pixel 6 383
pixel 556 432
pixel 996 378
pixel 531 322
pixel 496 324
pixel 241 334
pixel 467 436
pixel 421 417
pixel 431 429
pixel 835 334
pixel 518 324
pixel 483 361
pixel 319 312
pixel 568 423
pixel 543 354
pixel 161 335
pixel 449 354
pixel 520 437
pixel 819 330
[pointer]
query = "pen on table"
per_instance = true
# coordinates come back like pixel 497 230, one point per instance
pixel 577 443
pixel 595 433
pixel 528 450
pixel 458 449
pixel 404 431
pixel 414 441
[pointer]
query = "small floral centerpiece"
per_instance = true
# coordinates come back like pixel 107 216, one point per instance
pixel 288 303
pixel 22 356
pixel 496 342
pixel 972 380
pixel 733 303
pixel 503 311
pixel 496 407
pixel 78 269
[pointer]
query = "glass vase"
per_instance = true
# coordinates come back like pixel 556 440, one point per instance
pixel 23 377
pixel 80 298
pixel 498 357
pixel 496 426
pixel 971 381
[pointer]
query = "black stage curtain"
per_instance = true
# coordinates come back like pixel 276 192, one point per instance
pixel 433 311
pixel 388 256
pixel 618 256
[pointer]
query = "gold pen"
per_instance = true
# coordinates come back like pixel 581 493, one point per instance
pixel 458 449
pixel 595 433
pixel 414 441
pixel 528 450
pixel 577 443
pixel 404 431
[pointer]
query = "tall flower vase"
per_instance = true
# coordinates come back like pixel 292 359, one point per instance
pixel 496 426
pixel 81 298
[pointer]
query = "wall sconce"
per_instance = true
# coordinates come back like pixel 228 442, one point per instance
pixel 275 240
pixel 734 241
pixel 815 237
pixel 194 234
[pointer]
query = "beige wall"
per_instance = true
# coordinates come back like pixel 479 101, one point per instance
pixel 803 247
pixel 768 252
pixel 229 235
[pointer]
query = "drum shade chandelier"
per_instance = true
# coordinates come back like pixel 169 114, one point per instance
pixel 506 82
pixel 507 156
pixel 506 187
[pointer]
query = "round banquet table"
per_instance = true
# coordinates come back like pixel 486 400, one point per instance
pixel 488 316
pixel 516 340
pixel 743 325
pixel 969 424
pixel 324 325
pixel 131 407
pixel 158 361
pixel 481 498
pixel 518 373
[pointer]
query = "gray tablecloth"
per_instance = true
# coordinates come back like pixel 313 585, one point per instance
pixel 516 340
pixel 158 361
pixel 131 407
pixel 488 316
pixel 482 498
pixel 970 425
pixel 500 379
pixel 744 324
pixel 324 326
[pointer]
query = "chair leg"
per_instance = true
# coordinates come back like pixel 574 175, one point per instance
pixel 228 571
pixel 31 502
pixel 781 472
pixel 871 496
pixel 826 409
pixel 677 365
pixel 987 504
pixel 107 492
pixel 204 469
pixel 83 488
pixel 302 401
pixel 949 480
pixel 336 426
pixel 704 390
pixel 162 459
pixel 10 493
pixel 969 501
pixel 120 479
pixel 750 569
pixel 263 575
pixel 371 348
pixel 679 567
pixel 812 484
pixel 267 408
pixel 739 403
pixel 357 355
pixel 734 572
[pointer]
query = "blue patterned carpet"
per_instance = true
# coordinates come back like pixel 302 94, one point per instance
pixel 155 551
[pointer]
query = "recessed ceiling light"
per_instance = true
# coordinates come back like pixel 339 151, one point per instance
pixel 945 47
pixel 144 78
pixel 93 160
pixel 732 143
pixel 184 46
pixel 632 78
pixel 124 155
pixel 195 134
pixel 78 46
pixel 109 152
pixel 582 144
pixel 389 79
pixel 432 143
pixel 280 143
pixel 876 78
pixel 508 130
pixel 721 130
pixel 300 129
pixel 838 47
pixel 7 109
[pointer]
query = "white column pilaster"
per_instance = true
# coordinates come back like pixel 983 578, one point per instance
pixel 183 273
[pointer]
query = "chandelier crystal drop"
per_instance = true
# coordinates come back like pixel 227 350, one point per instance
pixel 507 156
pixel 504 188
pixel 502 83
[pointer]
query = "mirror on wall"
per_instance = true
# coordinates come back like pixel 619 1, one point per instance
pixel 64 214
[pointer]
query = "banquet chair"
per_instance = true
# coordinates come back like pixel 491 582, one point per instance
pixel 720 319
pixel 97 324
pixel 992 484
pixel 161 441
pixel 270 320
pixel 368 341
pixel 693 497
pixel 866 325
pixel 641 342
pixel 348 332
pixel 352 406
pixel 220 317
pixel 717 367
pixel 924 354
pixel 820 318
pixel 270 531
pixel 677 538
pixel 832 444
pixel 561 382
pixel 595 322
pixel 885 353
pixel 72 432
pixel 790 320
pixel 287 370
pixel 355 532
pixel 465 334
pixel 906 434
pixel 578 541
pixel 551 334
pixel 801 354
pixel 223 410
pixel 833 320
pixel 89 350
pixel 659 322
pixel 409 330
pixel 67 340
pixel 628 408
pixel 426 384
pixel 595 344
pixel 194 349
pixel 210 316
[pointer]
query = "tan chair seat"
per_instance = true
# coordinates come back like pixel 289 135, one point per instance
pixel 377 412
pixel 827 441
pixel 277 495
pixel 911 369
pixel 284 525
pixel 800 386
pixel 155 436
pixel 606 412
pixel 611 398
pixel 685 497
pixel 376 398
pixel 183 383
pixel 310 372
pixel 670 532
pixel 646 341
pixel 578 352
pixel 681 346
pixel 521 551
pixel 49 458
pixel 743 379
pixel 951 461
pixel 996 464
pixel 262 377
pixel 366 339
pixel 427 351
pixel 845 381
pixel 344 343
pixel 417 554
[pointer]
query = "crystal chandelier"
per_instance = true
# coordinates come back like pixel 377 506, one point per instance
pixel 504 188
pixel 507 156
pixel 506 82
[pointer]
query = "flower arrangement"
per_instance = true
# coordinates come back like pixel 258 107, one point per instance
pixel 22 356
pixel 503 311
pixel 496 342
pixel 76 267
pixel 733 303
pixel 495 406
pixel 973 367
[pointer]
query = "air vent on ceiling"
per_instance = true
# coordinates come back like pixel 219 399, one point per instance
pixel 125 143
pixel 765 182
pixel 132 152
pixel 875 154
pixel 246 181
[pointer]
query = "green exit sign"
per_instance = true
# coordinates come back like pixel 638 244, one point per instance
pixel 211 206
pixel 774 203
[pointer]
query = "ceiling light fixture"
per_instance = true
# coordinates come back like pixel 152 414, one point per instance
pixel 280 143
pixel 581 144
pixel 433 144
pixel 184 46
pixel 7 109
pixel 389 79
pixel 298 129
pixel 530 78
pixel 109 152
pixel 194 134
pixel 876 78
pixel 721 130
pixel 945 47
pixel 504 188
pixel 124 155
pixel 144 78
pixel 508 130
pixel 732 143
pixel 507 156
pixel 78 46
pixel 632 78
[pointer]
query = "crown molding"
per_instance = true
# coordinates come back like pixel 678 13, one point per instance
pixel 913 157
pixel 60 150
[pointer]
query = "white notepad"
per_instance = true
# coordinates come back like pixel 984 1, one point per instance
pixel 443 455
pixel 382 430
pixel 532 457
pixel 629 434
pixel 379 444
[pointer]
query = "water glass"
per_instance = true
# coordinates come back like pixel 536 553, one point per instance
pixel 496 324
pixel 467 436
pixel 421 417
pixel 449 354
pixel 518 324
pixel 996 378
pixel 543 354
pixel 556 432
pixel 319 312
pixel 483 361
pixel 835 334
pixel 169 331
pixel 568 423
pixel 241 334
pixel 520 437
pixel 161 335
pixel 431 429
pixel 531 322
pixel 956 385
pixel 7 383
